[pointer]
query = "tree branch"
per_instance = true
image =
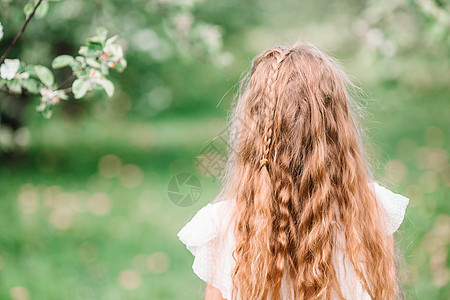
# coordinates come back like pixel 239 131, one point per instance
pixel 19 34
pixel 66 81
pixel 67 90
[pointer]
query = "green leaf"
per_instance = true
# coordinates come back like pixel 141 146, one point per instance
pixel 14 86
pixel 108 86
pixel 95 41
pixel 45 75
pixel 31 85
pixel 91 62
pixel 95 45
pixel 80 88
pixel 102 33
pixel 28 9
pixel 42 10
pixel 90 50
pixel 2 83
pixel 62 61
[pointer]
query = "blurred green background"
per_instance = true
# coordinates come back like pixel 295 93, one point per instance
pixel 84 209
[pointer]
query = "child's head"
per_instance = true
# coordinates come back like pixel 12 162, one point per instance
pixel 296 100
pixel 297 172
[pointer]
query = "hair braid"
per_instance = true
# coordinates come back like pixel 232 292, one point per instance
pixel 282 209
pixel 270 102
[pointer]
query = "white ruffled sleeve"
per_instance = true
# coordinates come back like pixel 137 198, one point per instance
pixel 209 237
pixel 394 204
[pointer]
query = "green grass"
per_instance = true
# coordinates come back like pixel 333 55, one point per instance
pixel 82 258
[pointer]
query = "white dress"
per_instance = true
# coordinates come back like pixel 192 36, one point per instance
pixel 209 237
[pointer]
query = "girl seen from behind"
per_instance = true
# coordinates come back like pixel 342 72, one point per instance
pixel 299 215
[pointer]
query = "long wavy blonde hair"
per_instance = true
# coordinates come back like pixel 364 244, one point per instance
pixel 297 173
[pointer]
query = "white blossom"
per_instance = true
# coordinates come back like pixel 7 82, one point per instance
pixel 9 68
pixel 94 75
pixel 49 96
pixel 111 49
pixel 112 53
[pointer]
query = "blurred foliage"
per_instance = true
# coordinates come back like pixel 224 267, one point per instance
pixel 390 25
pixel 91 67
pixel 85 212
pixel 90 70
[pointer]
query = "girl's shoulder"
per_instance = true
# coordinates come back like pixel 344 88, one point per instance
pixel 209 222
pixel 394 204
pixel 209 236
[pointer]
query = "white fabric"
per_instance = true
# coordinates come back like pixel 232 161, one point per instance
pixel 209 237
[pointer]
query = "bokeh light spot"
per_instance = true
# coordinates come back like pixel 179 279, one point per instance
pixel 395 170
pixel 130 279
pixel 61 217
pixel 435 242
pixel 437 160
pixel 99 204
pixel 50 195
pixel 109 165
pixel 22 137
pixel 19 293
pixel 130 176
pixel 158 262
pixel 28 199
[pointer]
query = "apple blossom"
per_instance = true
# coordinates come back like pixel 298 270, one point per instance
pixel 9 68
